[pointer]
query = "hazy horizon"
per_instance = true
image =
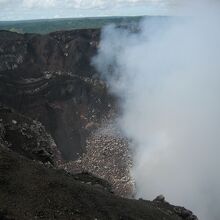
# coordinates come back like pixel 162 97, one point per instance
pixel 52 9
pixel 86 17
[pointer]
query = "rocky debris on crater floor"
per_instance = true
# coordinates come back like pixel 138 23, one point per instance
pixel 107 157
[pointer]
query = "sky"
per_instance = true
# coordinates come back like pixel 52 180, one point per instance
pixel 41 9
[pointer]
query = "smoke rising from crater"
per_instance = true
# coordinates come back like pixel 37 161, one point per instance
pixel 167 77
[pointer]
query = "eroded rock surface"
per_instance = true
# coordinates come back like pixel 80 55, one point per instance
pixel 49 78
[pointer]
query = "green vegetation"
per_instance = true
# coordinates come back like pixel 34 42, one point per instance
pixel 51 25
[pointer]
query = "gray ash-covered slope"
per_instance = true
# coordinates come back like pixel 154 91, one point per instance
pixel 49 78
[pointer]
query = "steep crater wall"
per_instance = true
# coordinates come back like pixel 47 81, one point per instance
pixel 50 79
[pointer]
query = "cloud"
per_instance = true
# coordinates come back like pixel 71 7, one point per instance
pixel 83 4
pixel 39 3
pixel 34 9
pixel 3 1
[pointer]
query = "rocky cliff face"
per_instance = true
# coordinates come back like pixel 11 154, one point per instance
pixel 49 78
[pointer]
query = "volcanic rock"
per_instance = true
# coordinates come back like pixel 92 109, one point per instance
pixel 49 78
pixel 27 137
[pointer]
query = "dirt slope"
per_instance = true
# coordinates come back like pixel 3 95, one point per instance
pixel 28 190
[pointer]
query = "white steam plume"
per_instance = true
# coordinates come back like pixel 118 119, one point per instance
pixel 167 77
